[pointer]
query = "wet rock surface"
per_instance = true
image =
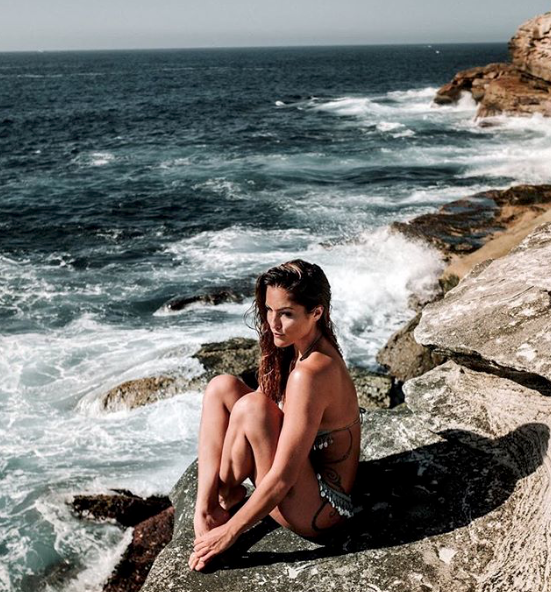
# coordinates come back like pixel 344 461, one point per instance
pixel 153 522
pixel 124 507
pixel 142 391
pixel 216 297
pixel 236 356
pixel 149 538
pixel 499 316
pixel 465 225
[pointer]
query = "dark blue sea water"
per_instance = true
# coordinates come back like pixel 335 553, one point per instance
pixel 128 178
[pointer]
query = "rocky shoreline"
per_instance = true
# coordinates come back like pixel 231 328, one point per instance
pixel 521 87
pixel 454 488
pixel 422 363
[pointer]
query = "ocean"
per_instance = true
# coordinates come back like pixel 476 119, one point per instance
pixel 130 177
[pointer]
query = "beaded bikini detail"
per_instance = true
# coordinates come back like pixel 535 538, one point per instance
pixel 340 501
pixel 324 437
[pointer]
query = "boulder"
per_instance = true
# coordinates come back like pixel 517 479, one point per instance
pixel 473 80
pixel 374 389
pixel 530 48
pixel 236 356
pixel 124 507
pixel 499 316
pixel 515 94
pixel 453 491
pixel 403 357
pixel 153 522
pixel 214 298
pixel 142 391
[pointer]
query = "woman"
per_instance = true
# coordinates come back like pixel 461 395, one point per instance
pixel 297 437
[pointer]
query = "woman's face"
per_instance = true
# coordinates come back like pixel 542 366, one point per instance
pixel 289 321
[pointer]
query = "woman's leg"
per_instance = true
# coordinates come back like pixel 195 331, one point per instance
pixel 220 396
pixel 249 450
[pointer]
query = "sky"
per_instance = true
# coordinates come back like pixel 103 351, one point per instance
pixel 30 25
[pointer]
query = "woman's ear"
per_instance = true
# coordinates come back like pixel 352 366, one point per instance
pixel 318 312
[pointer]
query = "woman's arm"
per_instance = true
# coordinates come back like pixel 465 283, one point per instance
pixel 304 407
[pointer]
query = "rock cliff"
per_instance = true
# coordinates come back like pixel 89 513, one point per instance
pixel 455 485
pixel 522 87
pixel 530 47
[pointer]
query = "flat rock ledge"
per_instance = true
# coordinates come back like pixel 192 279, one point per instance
pixel 455 497
pixel 499 316
pixel 522 87
pixel 463 226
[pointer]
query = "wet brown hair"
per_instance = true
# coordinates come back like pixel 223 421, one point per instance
pixel 308 286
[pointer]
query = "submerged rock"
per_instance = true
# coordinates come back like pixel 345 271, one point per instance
pixel 499 316
pixel 426 496
pixel 215 298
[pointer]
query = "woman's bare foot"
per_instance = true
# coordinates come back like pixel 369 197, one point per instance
pixel 203 521
pixel 232 497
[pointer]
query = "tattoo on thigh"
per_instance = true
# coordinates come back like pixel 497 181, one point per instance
pixel 332 514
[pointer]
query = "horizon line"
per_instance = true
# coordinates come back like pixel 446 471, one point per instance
pixel 237 47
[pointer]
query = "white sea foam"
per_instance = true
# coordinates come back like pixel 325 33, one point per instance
pixel 387 126
pixel 372 280
pixel 95 159
pixel 413 94
pixel 349 106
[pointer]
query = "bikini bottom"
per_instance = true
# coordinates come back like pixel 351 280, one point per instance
pixel 342 502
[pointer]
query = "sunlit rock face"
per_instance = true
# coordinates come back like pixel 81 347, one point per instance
pixel 500 314
pixel 455 497
pixel 530 48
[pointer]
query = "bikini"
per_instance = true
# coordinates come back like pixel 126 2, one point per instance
pixel 340 501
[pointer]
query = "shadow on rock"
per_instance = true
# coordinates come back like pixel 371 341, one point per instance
pixel 417 494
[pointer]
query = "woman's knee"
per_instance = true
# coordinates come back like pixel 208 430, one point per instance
pixel 256 408
pixel 226 388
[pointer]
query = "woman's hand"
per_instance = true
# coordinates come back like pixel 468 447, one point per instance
pixel 209 545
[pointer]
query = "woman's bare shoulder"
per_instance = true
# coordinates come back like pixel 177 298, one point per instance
pixel 319 369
